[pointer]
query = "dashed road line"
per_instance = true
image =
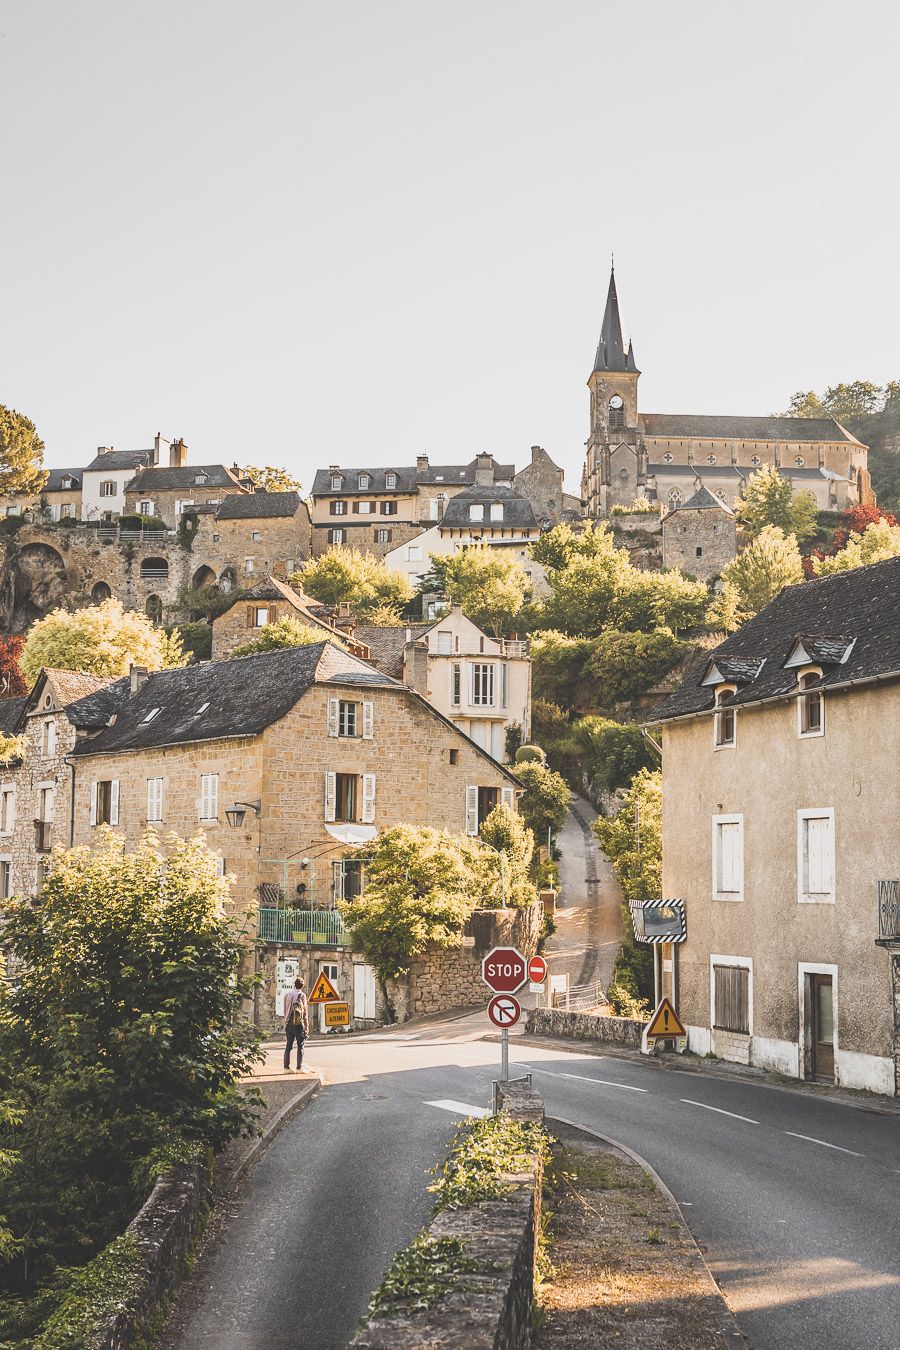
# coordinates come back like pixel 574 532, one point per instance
pixel 824 1143
pixel 718 1110
pixel 460 1108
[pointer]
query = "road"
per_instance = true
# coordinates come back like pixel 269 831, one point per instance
pixel 794 1196
pixel 588 915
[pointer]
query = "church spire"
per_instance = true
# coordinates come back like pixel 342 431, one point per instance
pixel 611 354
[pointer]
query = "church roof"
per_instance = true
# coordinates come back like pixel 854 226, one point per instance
pixel 725 428
pixel 611 351
pixel 704 500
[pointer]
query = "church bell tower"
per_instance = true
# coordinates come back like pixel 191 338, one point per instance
pixel 615 468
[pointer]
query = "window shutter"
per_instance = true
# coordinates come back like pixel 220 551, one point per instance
pixel 93 803
pixel 330 795
pixel 472 683
pixel 471 810
pixel 250 616
pixel 819 878
pixel 368 808
pixel 338 875
pixel 504 685
pixel 11 818
pixel 273 613
pixel 731 857
pixel 51 738
pixel 332 719
pixel 114 802
pixel 368 721
pixel 508 797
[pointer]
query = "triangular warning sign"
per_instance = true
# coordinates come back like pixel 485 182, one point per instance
pixel 323 991
pixel 665 1021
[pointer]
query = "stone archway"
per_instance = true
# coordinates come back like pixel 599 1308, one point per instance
pixel 40 583
pixel 100 592
pixel 154 569
pixel 203 577
pixel 154 608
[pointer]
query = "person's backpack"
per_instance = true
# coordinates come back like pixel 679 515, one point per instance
pixel 298 1017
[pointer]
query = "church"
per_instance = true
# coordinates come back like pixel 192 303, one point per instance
pixel 669 457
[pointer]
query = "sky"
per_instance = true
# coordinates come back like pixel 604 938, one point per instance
pixel 356 231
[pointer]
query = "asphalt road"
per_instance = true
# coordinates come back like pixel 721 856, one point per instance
pixel 794 1197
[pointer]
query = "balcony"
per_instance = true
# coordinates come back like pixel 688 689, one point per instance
pixel 888 914
pixel 305 927
pixel 42 835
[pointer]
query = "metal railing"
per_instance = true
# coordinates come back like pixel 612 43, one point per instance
pixel 307 927
pixel 578 997
pixel 888 914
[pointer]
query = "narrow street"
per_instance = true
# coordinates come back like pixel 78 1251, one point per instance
pixel 588 915
pixel 793 1196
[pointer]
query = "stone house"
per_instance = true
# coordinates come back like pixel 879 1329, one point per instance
pixel 662 456
pixel 254 535
pixel 699 537
pixel 104 480
pixel 167 491
pixel 541 484
pixel 480 683
pixel 59 499
pixel 265 603
pixel 288 763
pixel 781 805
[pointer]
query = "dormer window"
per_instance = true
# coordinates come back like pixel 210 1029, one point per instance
pixel 390 480
pixel 724 721
pixel 811 706
pixel 476 511
pixel 336 482
pixel 200 478
pixel 496 510
pixel 65 483
pixel 363 481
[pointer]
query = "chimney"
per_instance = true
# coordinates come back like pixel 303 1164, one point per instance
pixel 536 452
pixel 334 468
pixel 177 454
pixel 484 469
pixel 103 449
pixel 421 463
pixel 139 675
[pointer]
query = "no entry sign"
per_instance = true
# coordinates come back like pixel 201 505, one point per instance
pixel 537 970
pixel 504 1011
pixel 504 970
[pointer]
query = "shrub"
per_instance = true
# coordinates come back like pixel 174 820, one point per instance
pixel 530 754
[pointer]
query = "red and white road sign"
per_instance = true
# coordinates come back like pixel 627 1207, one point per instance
pixel 537 970
pixel 504 970
pixel 504 1010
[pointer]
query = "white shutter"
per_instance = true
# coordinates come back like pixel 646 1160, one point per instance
pixel 93 803
pixel 332 717
pixel 51 739
pixel 11 816
pixel 368 719
pixel 504 686
pixel 731 858
pixel 819 863
pixel 455 684
pixel 338 874
pixel 330 795
pixel 508 797
pixel 368 806
pixel 471 683
pixel 471 810
pixel 154 799
pixel 114 802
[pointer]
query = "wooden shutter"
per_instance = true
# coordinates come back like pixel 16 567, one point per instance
pixel 368 721
pixel 368 801
pixel 455 684
pixel 732 998
pixel 114 802
pixel 273 613
pixel 250 616
pixel 508 797
pixel 11 813
pixel 93 803
pixel 330 795
pixel 471 810
pixel 332 717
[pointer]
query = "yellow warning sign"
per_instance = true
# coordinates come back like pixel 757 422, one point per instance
pixel 665 1022
pixel 337 1014
pixel 323 991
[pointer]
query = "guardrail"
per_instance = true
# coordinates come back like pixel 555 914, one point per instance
pixel 305 927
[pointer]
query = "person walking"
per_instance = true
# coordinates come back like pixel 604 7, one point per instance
pixel 296 1023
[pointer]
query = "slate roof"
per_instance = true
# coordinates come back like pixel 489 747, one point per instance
pixel 859 607
pixel 11 711
pixel 72 685
pixel 259 506
pixel 704 500
pixel 54 482
pixel 119 459
pixel 611 352
pixel 94 710
pixel 164 478
pixel 726 428
pixel 271 589
pixel 245 695
pixel 409 480
pixel 386 645
pixel 517 510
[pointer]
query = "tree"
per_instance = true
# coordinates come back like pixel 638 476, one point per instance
pixel 270 479
pixel 545 801
pixel 632 840
pixel 556 549
pixel 12 682
pixel 769 499
pixel 121 1041
pixel 102 639
pixel 611 753
pixel 754 578
pixel 360 580
pixel 505 831
pixel 490 587
pixel 878 542
pixel 286 632
pixel 844 402
pixel 622 667
pixel 22 471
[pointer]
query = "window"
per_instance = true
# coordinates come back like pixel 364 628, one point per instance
pixel 728 857
pixel 337 536
pixel 476 511
pixel 208 804
pixel 754 459
pixel 154 799
pixel 347 878
pixel 260 615
pixel 350 797
pixel 363 508
pixel 66 511
pixel 336 482
pixel 108 488
pixel 200 478
pixel 14 510
pixel 799 461
pixel 145 508
pixel 105 802
pixel 154 712
pixel 388 508
pixel 5 878
pixel 390 480
pixel 347 718
pixel 724 720
pixel 48 738
pixel 454 756
pixel 414 553
pixel 256 536
pixel 710 459
pixel 338 508
pixel 731 998
pixel 363 482
pixel 504 689
pixel 815 856
pixel 811 707
pixel 456 684
pixel 65 482
pixel 674 499
pixel 382 536
pixel 496 510
pixel 7 810
pixel 444 642
pixel 668 457
pixel 249 566
pixel 616 413
pixel 482 685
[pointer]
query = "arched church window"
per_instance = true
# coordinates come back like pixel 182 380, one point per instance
pixel 616 413
pixel 674 499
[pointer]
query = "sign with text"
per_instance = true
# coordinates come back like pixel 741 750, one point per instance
pixel 337 1014
pixel 504 970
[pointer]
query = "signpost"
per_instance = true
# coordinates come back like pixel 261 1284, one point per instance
pixel 337 1014
pixel 323 991
pixel 664 1025
pixel 504 970
pixel 537 970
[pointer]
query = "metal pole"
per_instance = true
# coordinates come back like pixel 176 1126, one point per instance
pixel 504 1055
pixel 503 878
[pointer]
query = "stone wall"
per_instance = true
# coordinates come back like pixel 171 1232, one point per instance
pixel 585 1027
pixel 450 977
pixel 699 542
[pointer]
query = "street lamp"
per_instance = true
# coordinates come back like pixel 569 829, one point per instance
pixel 236 815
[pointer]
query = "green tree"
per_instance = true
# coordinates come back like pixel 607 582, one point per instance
pixel 558 668
pixel 556 549
pixel 769 499
pixel 22 471
pixel 622 667
pixel 490 587
pixel 270 478
pixel 754 578
pixel 545 801
pixel 360 580
pixel 878 542
pixel 844 402
pixel 611 753
pixel 632 840
pixel 505 831
pixel 286 632
pixel 102 639
pixel 121 1041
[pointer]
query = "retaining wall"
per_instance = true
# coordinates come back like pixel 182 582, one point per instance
pixel 579 1026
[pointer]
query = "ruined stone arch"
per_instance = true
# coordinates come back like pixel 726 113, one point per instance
pixel 154 569
pixel 203 577
pixel 100 591
pixel 40 583
pixel 154 608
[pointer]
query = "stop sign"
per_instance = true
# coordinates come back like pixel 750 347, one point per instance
pixel 504 970
pixel 537 970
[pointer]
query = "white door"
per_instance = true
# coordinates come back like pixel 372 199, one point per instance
pixel 363 992
pixel 331 970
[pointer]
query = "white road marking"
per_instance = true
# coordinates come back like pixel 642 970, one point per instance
pixel 461 1108
pixel 583 1077
pixel 718 1110
pixel 825 1144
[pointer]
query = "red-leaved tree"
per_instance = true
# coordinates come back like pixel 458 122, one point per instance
pixel 12 682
